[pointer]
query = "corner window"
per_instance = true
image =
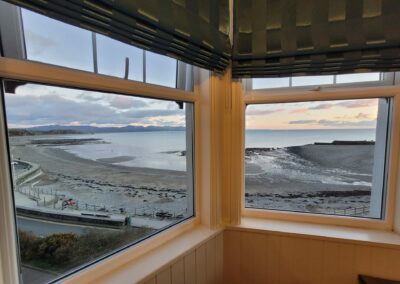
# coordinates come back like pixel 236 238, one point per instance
pixel 53 42
pixel 321 80
pixel 50 41
pixel 323 157
pixel 93 173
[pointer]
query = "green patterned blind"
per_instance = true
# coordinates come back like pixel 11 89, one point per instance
pixel 192 31
pixel 314 37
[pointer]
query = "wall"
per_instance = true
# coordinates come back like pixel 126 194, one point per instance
pixel 201 265
pixel 251 257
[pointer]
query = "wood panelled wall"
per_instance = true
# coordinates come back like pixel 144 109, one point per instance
pixel 202 265
pixel 251 257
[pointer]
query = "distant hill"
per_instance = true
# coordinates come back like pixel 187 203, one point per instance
pixel 25 132
pixel 83 129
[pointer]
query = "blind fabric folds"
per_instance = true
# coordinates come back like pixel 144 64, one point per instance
pixel 271 38
pixel 275 38
pixel 192 31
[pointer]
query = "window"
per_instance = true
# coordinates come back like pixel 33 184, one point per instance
pixel 111 57
pixel 323 157
pixel 160 70
pixel 302 81
pixel 50 41
pixel 93 173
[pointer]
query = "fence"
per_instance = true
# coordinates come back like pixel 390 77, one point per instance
pixel 355 211
pixel 48 197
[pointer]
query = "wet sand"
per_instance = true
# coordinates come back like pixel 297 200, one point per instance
pixel 311 178
pixel 102 183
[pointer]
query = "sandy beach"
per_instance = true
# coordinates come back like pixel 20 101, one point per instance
pixel 310 178
pixel 103 183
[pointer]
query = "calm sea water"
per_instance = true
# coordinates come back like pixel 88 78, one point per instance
pixel 161 149
pixel 286 138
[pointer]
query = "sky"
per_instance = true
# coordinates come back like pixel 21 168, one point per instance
pixel 54 42
pixel 360 113
pixel 36 105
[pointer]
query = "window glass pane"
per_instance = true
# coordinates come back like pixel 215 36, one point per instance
pixel 312 80
pixel 318 157
pixel 93 172
pixel 111 56
pixel 269 83
pixel 54 42
pixel 298 81
pixel 354 78
pixel 51 41
pixel 160 70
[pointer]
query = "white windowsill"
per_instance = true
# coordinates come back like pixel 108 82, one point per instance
pixel 317 231
pixel 146 265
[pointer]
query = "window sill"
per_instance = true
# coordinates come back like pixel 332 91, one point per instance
pixel 144 264
pixel 322 232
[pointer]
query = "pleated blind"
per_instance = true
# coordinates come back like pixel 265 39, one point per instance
pixel 192 31
pixel 314 37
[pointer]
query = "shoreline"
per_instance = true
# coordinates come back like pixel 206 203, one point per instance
pixel 310 178
pixel 107 187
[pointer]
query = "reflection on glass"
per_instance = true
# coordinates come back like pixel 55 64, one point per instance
pixel 93 172
pixel 111 55
pixel 160 70
pixel 312 80
pixel 54 42
pixel 354 78
pixel 323 157
pixel 51 41
pixel 298 81
pixel 269 83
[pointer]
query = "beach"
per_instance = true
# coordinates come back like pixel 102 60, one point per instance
pixel 325 179
pixel 314 178
pixel 103 183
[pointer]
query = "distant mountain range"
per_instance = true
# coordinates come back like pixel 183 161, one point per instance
pixel 83 129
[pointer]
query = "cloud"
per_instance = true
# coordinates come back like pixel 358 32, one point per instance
pixel 362 116
pixel 336 123
pixel 262 111
pixel 299 110
pixel 37 42
pixel 91 97
pixel 153 113
pixel 358 103
pixel 305 121
pixel 322 106
pixel 125 102
pixel 54 109
pixel 363 123
pixel 346 104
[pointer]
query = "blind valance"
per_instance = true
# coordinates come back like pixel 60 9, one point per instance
pixel 314 37
pixel 192 31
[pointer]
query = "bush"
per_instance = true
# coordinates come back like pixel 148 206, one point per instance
pixel 64 251
pixel 58 248
pixel 28 245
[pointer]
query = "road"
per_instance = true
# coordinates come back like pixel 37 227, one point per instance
pixel 44 228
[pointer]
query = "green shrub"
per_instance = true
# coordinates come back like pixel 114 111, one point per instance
pixel 64 251
pixel 58 248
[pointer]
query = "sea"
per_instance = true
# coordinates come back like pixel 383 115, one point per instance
pixel 163 149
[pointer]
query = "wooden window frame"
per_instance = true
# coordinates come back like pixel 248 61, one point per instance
pixel 16 69
pixel 339 93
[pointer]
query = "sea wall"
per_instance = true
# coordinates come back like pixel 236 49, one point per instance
pixel 67 217
pixel 23 177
